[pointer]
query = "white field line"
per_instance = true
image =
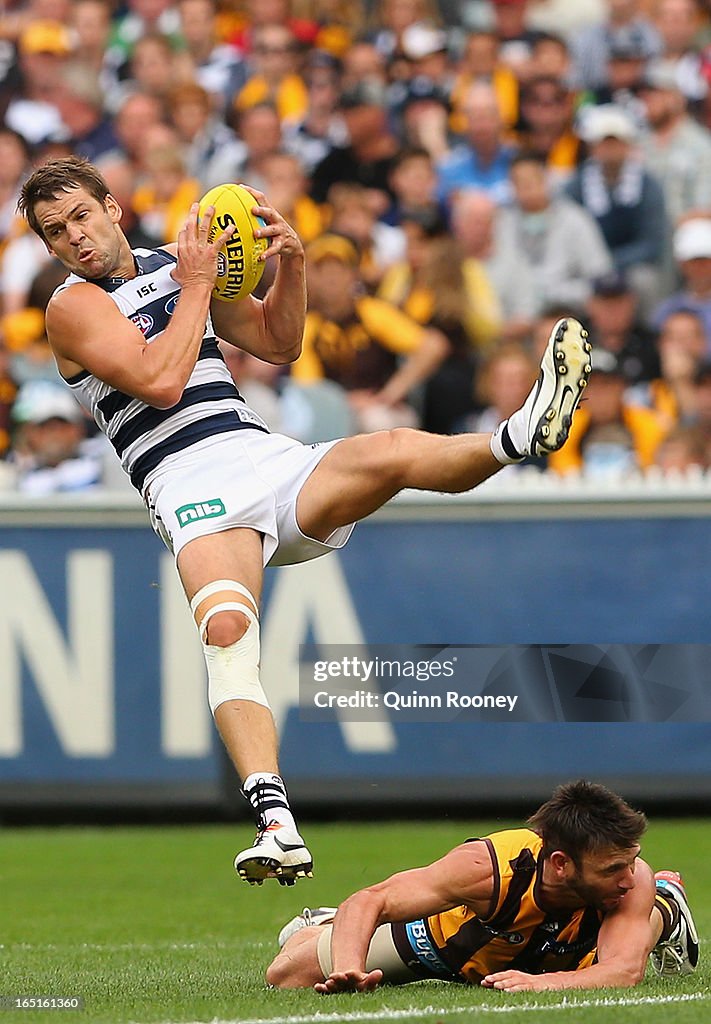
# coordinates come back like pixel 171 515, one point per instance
pixel 441 1011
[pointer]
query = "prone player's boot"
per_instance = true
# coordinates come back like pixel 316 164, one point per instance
pixel 278 851
pixel 678 954
pixel 542 424
pixel 308 917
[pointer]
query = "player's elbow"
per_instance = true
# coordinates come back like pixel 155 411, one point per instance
pixel 283 356
pixel 163 394
pixel 629 973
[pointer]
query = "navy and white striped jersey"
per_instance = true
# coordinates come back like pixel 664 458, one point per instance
pixel 210 404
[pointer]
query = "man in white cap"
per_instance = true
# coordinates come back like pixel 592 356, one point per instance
pixel 692 253
pixel 626 201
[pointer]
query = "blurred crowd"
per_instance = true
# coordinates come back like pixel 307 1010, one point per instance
pixel 462 174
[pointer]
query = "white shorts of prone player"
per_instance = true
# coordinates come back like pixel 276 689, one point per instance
pixel 244 478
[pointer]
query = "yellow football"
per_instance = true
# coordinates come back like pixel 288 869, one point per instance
pixel 238 268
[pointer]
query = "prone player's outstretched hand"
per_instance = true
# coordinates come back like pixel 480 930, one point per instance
pixel 349 981
pixel 197 256
pixel 282 239
pixel 515 981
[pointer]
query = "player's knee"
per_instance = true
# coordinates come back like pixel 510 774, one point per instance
pixel 393 454
pixel 226 628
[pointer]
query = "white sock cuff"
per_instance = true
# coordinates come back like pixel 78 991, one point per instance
pixel 501 447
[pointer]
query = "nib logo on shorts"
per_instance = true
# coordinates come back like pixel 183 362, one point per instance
pixel 200 510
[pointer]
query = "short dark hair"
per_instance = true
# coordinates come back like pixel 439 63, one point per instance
pixel 528 156
pixel 55 177
pixel 583 817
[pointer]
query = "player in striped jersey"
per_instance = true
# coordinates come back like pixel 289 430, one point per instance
pixel 134 335
pixel 564 903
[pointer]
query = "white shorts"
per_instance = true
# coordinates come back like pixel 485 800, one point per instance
pixel 244 478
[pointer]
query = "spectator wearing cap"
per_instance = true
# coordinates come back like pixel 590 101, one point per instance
pixel 624 198
pixel 677 150
pixel 625 71
pixel 590 48
pixel 216 66
pixel 692 252
pixel 368 157
pixel 321 129
pixel 424 116
pixel 561 241
pixel 50 448
pixel 609 437
pixel 43 49
pixel 373 350
pixel 426 49
pixel 612 318
pixel 546 126
pixel 481 163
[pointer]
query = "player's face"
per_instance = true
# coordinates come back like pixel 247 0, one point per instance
pixel 604 878
pixel 82 232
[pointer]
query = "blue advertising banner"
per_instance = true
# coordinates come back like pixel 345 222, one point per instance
pixel 102 684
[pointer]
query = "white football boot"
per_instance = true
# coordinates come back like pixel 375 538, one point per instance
pixel 278 851
pixel 543 422
pixel 679 954
pixel 308 917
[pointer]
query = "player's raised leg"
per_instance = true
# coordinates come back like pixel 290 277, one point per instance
pixel 361 473
pixel 222 576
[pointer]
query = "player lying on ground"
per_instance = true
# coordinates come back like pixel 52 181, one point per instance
pixel 225 495
pixel 564 903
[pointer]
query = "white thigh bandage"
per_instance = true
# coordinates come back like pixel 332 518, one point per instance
pixel 232 672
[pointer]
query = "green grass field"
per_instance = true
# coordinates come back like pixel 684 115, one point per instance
pixel 151 924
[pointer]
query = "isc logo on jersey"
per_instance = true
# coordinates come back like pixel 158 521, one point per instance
pixel 143 322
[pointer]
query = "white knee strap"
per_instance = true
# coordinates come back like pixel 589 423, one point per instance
pixel 218 587
pixel 232 672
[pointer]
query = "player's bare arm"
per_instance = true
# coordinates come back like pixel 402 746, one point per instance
pixel 271 328
pixel 88 332
pixel 462 876
pixel 624 943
